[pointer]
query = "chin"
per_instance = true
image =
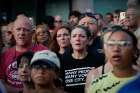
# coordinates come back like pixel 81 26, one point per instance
pixel 20 43
pixel 23 80
pixel 78 49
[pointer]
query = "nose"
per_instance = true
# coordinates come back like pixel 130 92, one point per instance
pixel 24 69
pixel 77 37
pixel 62 37
pixel 40 70
pixel 117 48
pixel 22 31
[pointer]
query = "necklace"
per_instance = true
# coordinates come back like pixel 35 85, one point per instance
pixel 80 57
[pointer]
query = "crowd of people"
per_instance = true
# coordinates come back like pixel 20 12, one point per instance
pixel 91 53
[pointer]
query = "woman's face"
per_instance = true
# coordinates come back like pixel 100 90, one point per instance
pixel 42 76
pixel 119 49
pixel 63 38
pixel 23 69
pixel 41 35
pixel 79 39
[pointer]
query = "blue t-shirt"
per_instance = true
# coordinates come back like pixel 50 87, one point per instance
pixel 132 87
pixel 2 88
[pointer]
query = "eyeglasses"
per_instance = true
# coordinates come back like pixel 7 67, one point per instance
pixel 56 21
pixel 121 43
pixel 42 33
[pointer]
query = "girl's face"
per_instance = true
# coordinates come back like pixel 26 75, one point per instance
pixel 63 38
pixel 41 35
pixel 79 39
pixel 23 69
pixel 119 49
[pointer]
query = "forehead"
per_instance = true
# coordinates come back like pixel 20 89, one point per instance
pixel 78 31
pixel 106 36
pixel 115 14
pixel 108 15
pixel 86 19
pixel 119 36
pixel 62 30
pixel 72 16
pixel 41 29
pixel 24 60
pixel 23 23
pixel 58 18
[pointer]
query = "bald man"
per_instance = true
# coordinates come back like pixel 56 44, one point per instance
pixel 22 31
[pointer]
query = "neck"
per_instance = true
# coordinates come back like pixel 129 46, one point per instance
pixel 127 72
pixel 62 50
pixel 25 88
pixel 23 48
pixel 44 87
pixel 79 54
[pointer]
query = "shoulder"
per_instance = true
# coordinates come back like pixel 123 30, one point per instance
pixel 132 87
pixel 39 47
pixel 2 88
pixel 97 84
pixel 92 74
pixel 95 72
pixel 8 54
pixel 100 79
pixel 9 50
pixel 67 57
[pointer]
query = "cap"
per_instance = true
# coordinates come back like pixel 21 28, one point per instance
pixel 46 56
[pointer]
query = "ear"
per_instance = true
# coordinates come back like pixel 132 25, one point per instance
pixel 136 53
pixel 90 41
pixel 33 31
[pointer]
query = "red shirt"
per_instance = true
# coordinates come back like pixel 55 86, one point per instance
pixel 9 70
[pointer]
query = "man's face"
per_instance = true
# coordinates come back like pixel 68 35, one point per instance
pixel 58 22
pixel 108 18
pixel 9 34
pixel 22 31
pixel 73 20
pixel 8 37
pixel 91 23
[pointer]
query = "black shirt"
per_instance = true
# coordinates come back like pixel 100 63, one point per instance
pixel 96 48
pixel 74 72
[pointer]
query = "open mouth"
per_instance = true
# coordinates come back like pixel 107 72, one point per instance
pixel 40 78
pixel 78 44
pixel 116 58
pixel 21 38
